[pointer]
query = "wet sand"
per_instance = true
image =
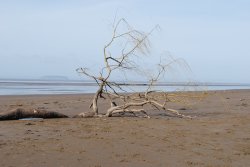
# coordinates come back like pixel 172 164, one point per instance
pixel 218 137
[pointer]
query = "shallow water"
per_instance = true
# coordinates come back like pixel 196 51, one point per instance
pixel 29 87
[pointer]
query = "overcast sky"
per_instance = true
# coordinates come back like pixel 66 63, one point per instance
pixel 54 37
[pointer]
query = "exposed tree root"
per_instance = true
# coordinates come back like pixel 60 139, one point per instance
pixel 85 115
pixel 123 111
pixel 178 114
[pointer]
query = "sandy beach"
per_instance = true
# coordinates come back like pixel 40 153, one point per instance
pixel 219 135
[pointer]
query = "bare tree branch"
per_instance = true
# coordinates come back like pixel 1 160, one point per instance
pixel 137 44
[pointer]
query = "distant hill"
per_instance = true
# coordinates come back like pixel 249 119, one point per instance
pixel 54 78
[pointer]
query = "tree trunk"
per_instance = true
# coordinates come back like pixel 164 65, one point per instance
pixel 20 113
pixel 95 99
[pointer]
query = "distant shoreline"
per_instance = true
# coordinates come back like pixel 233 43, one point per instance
pixel 29 87
pixel 129 83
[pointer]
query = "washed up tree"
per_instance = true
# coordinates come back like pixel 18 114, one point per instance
pixel 135 45
pixel 21 113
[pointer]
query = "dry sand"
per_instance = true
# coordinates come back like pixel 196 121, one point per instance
pixel 218 137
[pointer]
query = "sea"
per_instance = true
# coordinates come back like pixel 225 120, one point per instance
pixel 39 87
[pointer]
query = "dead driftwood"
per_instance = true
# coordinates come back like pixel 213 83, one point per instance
pixel 135 46
pixel 21 113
